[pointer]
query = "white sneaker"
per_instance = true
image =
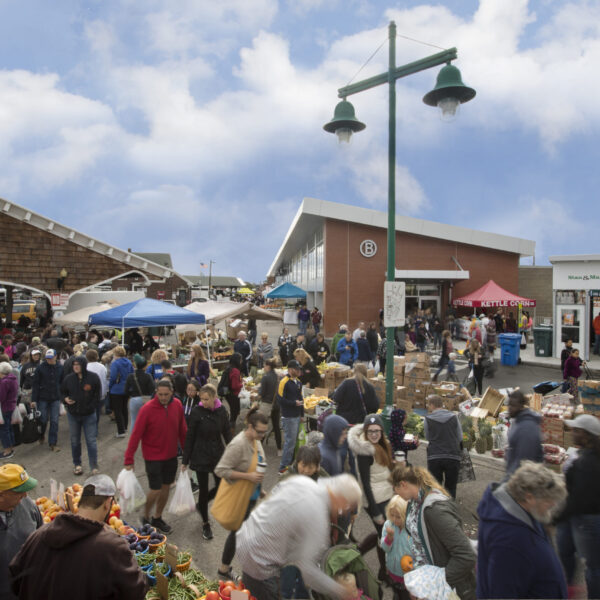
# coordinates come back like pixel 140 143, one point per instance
pixel 279 452
pixel 120 435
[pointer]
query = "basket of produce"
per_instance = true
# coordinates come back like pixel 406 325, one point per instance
pixel 132 540
pixel 145 531
pixel 145 559
pixel 184 560
pixel 151 571
pixel 155 541
pixel 190 585
pixel 140 547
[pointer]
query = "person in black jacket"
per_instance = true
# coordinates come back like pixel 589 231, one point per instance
pixel 373 338
pixel 355 398
pixel 208 427
pixel 191 398
pixel 578 530
pixel 310 375
pixel 82 394
pixel 27 372
pixel 139 388
pixel 319 350
pixel 268 397
pixel 45 396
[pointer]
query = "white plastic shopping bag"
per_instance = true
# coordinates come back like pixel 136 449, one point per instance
pixel 16 417
pixel 131 494
pixel 1 418
pixel 182 501
pixel 62 411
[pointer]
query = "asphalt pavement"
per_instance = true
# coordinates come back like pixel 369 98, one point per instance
pixel 44 465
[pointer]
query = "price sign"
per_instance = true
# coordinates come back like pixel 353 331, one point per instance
pixel 394 303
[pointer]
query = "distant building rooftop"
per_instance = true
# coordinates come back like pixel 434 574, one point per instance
pixel 216 281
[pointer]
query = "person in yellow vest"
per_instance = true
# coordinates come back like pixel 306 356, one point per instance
pixel 292 409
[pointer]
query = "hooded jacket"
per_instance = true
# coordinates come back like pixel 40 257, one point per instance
pixel 444 433
pixel 45 385
pixel 9 392
pixel 86 391
pixel 76 557
pixel 524 440
pixel 516 558
pixel 373 476
pixel 204 440
pixel 331 461
pixel 447 546
pixel 159 428
pixel 120 369
pixel 27 371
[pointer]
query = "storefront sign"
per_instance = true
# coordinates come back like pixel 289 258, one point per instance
pixel 368 248
pixel 494 303
pixel 59 301
pixel 576 275
pixel 394 303
pixel 160 294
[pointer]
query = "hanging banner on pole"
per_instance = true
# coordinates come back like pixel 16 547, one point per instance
pixel 394 303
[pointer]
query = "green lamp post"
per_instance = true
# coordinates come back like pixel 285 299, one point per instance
pixel 449 93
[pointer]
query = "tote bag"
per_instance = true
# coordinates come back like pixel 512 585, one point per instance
pixel 232 499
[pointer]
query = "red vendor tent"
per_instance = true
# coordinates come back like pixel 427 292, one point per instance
pixel 491 295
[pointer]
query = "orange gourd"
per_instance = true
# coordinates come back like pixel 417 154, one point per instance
pixel 406 563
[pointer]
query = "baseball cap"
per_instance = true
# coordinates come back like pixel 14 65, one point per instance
pixel 293 364
pixel 99 485
pixel 50 353
pixel 588 423
pixel 36 351
pixel 15 478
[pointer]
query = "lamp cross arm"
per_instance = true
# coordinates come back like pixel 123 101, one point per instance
pixel 414 67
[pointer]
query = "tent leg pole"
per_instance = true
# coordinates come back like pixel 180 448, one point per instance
pixel 207 347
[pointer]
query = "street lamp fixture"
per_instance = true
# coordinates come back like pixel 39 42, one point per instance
pixel 449 93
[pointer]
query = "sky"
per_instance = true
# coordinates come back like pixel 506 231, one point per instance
pixel 194 127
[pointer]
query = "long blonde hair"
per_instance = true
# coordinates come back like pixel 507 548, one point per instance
pixel 418 476
pixel 360 375
pixel 301 355
pixel 398 506
pixel 158 356
pixel 196 356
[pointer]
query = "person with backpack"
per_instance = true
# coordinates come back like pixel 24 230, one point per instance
pixel 120 368
pixel 155 367
pixel 139 388
pixel 26 374
pixel 230 386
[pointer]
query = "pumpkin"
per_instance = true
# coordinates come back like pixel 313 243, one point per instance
pixel 406 563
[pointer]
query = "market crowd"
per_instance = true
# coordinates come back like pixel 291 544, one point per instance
pixel 532 525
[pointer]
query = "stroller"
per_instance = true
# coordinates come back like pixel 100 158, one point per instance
pixel 345 557
pixel 545 387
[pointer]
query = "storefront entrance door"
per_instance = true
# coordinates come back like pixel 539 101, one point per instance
pixel 433 304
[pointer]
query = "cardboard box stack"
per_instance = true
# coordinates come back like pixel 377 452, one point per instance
pixel 553 430
pixel 399 367
pixel 589 392
pixel 451 392
pixel 417 377
pixel 333 377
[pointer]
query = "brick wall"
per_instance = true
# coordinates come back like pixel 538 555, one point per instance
pixel 34 257
pixel 536 283
pixel 354 284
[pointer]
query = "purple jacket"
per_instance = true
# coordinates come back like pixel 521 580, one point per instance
pixel 572 367
pixel 9 392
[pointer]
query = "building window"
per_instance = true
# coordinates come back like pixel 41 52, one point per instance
pixel 319 260
pixel 311 265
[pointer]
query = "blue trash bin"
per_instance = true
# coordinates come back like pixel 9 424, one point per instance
pixel 510 347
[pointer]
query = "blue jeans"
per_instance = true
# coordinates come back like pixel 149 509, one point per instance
pixel 290 426
pixel 317 328
pixel 442 364
pixel 302 325
pixel 6 430
pixel 135 403
pixel 292 585
pixel 88 423
pixel 49 410
pixel 581 535
pixel 597 343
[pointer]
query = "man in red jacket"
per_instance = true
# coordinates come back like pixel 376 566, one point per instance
pixel 160 425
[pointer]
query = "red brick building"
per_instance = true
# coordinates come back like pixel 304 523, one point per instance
pixel 338 254
pixel 46 257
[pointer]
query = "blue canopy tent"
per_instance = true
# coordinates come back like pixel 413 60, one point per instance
pixel 145 312
pixel 287 290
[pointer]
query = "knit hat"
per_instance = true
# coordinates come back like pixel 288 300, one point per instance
pixel 373 419
pixel 139 361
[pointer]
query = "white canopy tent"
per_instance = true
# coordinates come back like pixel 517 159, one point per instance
pixel 215 312
pixel 81 315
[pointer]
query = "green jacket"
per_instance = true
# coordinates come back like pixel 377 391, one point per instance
pixel 442 535
pixel 334 342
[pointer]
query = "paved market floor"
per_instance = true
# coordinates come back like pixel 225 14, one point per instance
pixel 43 465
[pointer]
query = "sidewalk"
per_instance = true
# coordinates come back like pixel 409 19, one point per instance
pixel 528 357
